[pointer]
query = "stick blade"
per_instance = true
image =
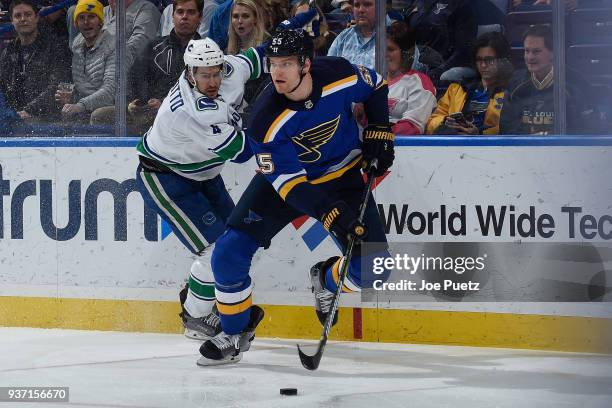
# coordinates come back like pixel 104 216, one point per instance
pixel 309 362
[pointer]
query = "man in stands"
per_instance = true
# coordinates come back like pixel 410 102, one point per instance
pixel 162 64
pixel 142 21
pixel 93 64
pixel 529 102
pixel 449 27
pixel 32 65
pixel 357 43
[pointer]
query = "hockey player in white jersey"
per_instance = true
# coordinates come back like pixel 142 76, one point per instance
pixel 197 129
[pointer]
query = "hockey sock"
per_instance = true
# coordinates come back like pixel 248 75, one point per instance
pixel 332 273
pixel 231 262
pixel 201 294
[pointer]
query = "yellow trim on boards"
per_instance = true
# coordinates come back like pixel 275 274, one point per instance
pixel 562 333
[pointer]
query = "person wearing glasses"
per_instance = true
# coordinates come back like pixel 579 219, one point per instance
pixel 474 108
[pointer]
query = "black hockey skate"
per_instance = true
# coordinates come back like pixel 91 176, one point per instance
pixel 199 328
pixel 227 348
pixel 323 296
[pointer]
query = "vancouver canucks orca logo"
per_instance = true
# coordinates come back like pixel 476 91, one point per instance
pixel 311 140
pixel 203 103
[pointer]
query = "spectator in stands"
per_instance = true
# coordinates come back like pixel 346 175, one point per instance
pixel 55 21
pixel 529 102
pixel 342 7
pixel 277 11
pixel 162 65
pixel 450 28
pixel 93 64
pixel 142 20
pixel 317 28
pixel 167 18
pixel 357 43
pixel 412 95
pixel 32 65
pixel 474 109
pixel 247 28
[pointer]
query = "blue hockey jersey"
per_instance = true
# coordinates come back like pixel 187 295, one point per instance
pixel 302 145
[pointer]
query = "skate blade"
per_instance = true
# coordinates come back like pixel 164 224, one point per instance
pixel 196 335
pixel 207 362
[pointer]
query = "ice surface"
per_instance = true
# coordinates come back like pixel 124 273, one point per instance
pixel 134 370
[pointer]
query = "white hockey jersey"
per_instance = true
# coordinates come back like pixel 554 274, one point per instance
pixel 194 135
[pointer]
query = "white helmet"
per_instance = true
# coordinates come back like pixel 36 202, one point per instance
pixel 203 53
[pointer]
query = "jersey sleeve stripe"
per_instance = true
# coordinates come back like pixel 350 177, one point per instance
pixel 339 85
pixel 202 169
pixel 148 151
pixel 278 124
pixel 338 173
pixel 252 57
pixel 234 149
pixel 288 186
pixel 283 178
pixel 226 142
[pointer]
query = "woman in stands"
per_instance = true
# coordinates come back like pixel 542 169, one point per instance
pixel 412 95
pixel 474 109
pixel 247 26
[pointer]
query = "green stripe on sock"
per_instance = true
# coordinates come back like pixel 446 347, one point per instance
pixel 202 290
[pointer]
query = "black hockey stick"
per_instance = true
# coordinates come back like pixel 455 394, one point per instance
pixel 312 362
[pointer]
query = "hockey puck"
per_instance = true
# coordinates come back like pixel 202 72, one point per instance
pixel 288 391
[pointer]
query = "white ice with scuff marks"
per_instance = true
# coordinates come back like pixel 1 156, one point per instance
pixel 133 370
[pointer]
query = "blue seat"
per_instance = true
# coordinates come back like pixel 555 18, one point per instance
pixel 590 26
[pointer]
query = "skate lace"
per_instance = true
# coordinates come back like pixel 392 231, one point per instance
pixel 212 320
pixel 224 341
pixel 325 299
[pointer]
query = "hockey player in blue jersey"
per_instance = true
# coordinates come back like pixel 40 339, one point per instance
pixel 310 154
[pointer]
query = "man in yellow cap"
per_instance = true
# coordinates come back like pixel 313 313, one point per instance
pixel 93 64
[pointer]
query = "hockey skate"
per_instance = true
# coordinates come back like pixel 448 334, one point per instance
pixel 199 328
pixel 323 296
pixel 226 348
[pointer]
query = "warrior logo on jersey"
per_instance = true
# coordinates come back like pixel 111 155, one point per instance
pixel 311 140
pixel 365 75
pixel 203 103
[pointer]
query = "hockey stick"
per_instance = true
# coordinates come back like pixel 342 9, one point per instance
pixel 312 362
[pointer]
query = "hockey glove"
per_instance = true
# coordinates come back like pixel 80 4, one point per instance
pixel 342 223
pixel 378 144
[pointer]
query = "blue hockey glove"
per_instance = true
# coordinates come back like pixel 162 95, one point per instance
pixel 378 144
